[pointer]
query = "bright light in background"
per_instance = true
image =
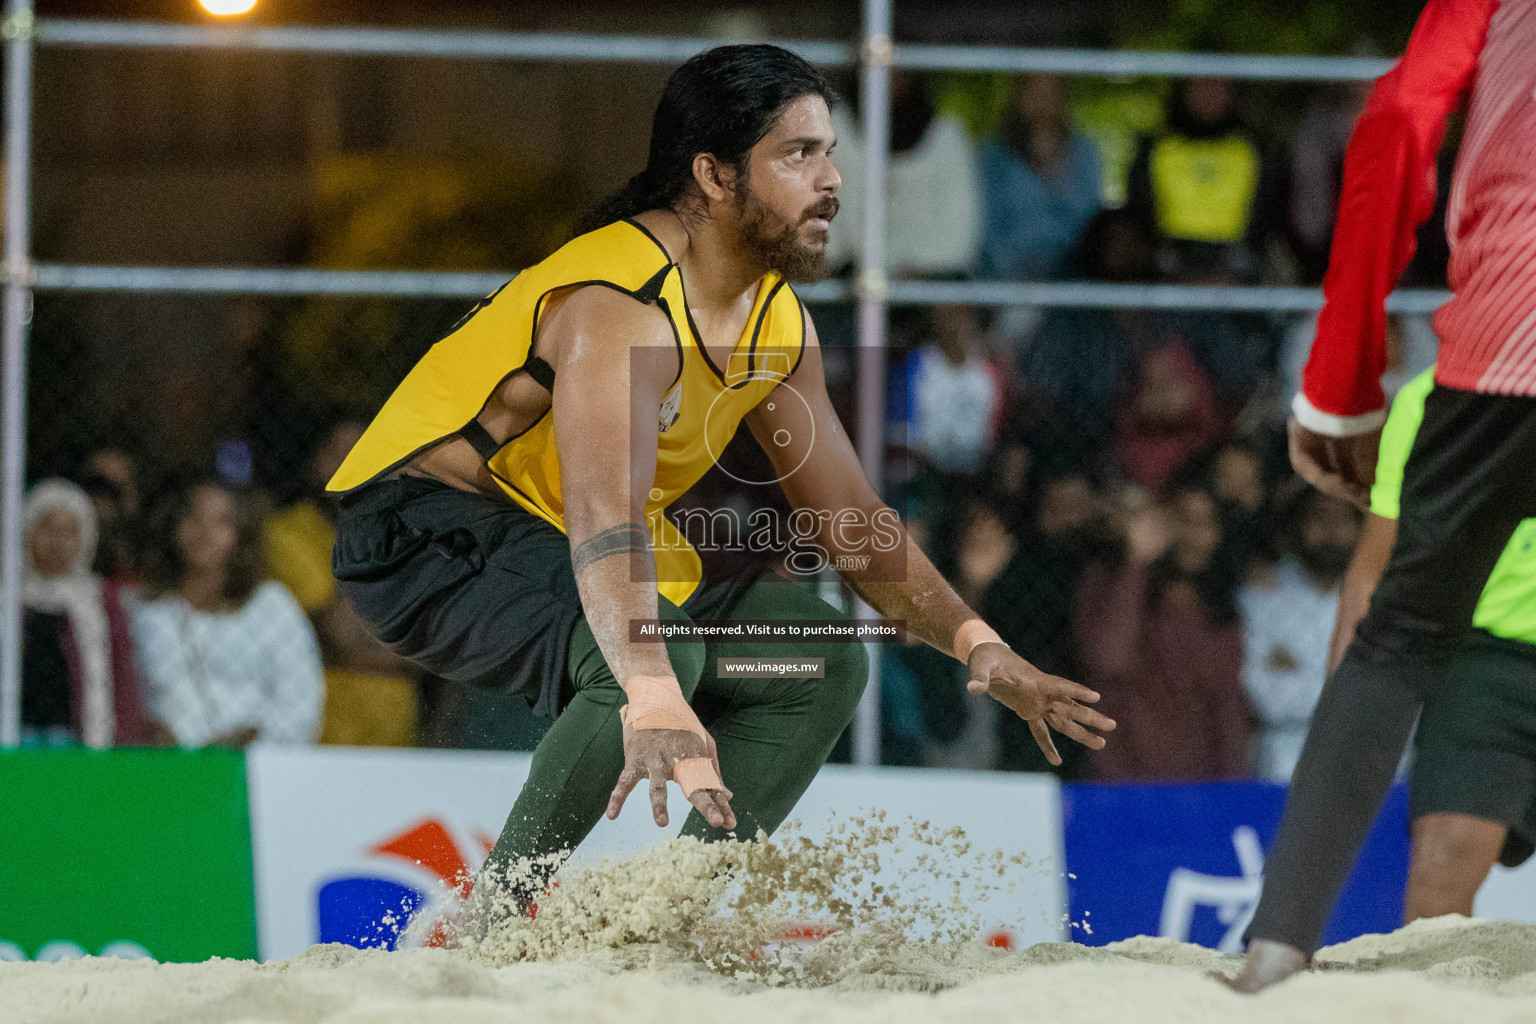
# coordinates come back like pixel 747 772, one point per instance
pixel 228 8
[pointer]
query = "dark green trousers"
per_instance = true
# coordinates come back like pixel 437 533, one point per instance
pixel 772 734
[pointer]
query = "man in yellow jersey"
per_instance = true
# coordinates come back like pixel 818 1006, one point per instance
pixel 1472 798
pixel 501 519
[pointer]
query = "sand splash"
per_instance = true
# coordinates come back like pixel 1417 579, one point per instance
pixel 692 932
pixel 790 910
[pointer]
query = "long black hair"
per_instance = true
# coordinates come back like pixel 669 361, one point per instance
pixel 723 102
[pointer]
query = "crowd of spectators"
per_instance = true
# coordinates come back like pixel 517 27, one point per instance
pixel 1109 487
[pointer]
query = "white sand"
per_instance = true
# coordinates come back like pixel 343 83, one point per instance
pixel 1146 980
pixel 636 941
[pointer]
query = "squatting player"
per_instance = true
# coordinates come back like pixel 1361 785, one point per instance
pixel 1469 480
pixel 502 520
pixel 1472 799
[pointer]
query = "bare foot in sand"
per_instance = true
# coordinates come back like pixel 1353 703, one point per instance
pixel 1268 963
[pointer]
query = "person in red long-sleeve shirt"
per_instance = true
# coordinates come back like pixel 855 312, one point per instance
pixel 1159 637
pixel 1468 482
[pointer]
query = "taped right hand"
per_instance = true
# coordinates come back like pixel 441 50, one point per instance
pixel 664 740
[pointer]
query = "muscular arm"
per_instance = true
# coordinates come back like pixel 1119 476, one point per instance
pixel 819 470
pixel 610 378
pixel 614 359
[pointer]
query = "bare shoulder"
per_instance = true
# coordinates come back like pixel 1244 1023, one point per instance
pixel 593 328
pixel 605 314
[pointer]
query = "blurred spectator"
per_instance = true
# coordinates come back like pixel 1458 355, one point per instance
pixel 1042 182
pixel 110 479
pixel 950 399
pixel 1202 187
pixel 922 682
pixel 1161 641
pixel 1288 617
pixel 984 547
pixel 118 466
pixel 1237 483
pixel 933 196
pixel 225 657
pixel 956 393
pixel 77 677
pixel 1317 170
pixel 1029 603
pixel 370 694
pixel 1079 359
pixel 1170 417
pixel 1236 350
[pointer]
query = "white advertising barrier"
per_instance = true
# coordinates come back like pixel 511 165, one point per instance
pixel 338 832
pixel 1509 894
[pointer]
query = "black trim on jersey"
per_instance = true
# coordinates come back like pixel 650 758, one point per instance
pixel 530 366
pixel 647 233
pixel 478 306
pixel 542 373
pixel 651 290
pixel 392 467
pixel 508 483
pixel 758 329
pixel 479 439
pixel 677 340
pixel 805 331
pixel 698 341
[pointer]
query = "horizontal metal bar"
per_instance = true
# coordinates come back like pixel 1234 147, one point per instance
pixel 429 284
pixel 671 50
pixel 405 42
pixel 1125 63
pixel 262 281
pixel 1095 295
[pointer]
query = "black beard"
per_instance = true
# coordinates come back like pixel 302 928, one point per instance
pixel 782 251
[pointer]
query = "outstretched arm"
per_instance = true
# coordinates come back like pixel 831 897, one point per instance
pixel 819 470
pixel 614 357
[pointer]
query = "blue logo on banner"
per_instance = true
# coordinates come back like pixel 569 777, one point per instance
pixel 365 912
pixel 1187 862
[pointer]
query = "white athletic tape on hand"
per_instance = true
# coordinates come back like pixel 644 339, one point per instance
pixel 695 773
pixel 971 633
pixel 656 702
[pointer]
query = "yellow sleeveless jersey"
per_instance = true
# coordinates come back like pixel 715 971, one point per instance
pixel 444 393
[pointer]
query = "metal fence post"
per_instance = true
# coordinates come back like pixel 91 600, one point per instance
pixel 18 297
pixel 873 291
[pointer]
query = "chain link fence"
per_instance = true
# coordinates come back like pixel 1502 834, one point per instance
pixel 1092 451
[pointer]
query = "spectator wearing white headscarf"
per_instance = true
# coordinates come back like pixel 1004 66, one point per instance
pixel 78 682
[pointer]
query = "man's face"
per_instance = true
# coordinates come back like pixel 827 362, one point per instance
pixel 789 196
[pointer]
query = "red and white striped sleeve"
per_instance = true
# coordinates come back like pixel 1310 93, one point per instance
pixel 1388 191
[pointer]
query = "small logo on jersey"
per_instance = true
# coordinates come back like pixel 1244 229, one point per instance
pixel 669 408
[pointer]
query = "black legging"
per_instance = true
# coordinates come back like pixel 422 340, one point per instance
pixel 1469 481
